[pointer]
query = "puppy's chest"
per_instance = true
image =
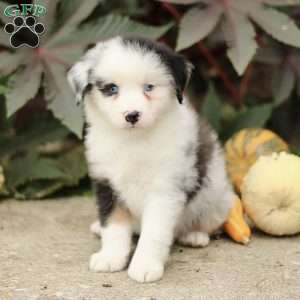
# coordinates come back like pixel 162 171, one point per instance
pixel 135 171
pixel 129 171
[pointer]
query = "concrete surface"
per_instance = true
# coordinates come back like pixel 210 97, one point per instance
pixel 45 246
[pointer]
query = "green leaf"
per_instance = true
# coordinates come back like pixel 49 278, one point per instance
pixel 196 24
pixel 39 131
pixel 298 88
pixel 68 54
pixel 49 19
pixel 74 11
pixel 61 101
pixel 280 26
pixel 282 2
pixel 3 89
pixel 295 150
pixel 185 2
pixel 73 165
pixel 9 62
pixel 240 37
pixel 212 108
pixel 254 117
pixel 107 27
pixel 228 112
pixel 129 28
pixel 283 83
pixel 23 86
pixel 3 18
pixel 38 189
pixel 29 168
pixel 44 176
pixel 244 6
pixel 4 39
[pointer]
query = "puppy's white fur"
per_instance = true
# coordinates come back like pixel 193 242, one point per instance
pixel 147 164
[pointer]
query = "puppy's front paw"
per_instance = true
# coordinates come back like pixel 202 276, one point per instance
pixel 145 269
pixel 105 262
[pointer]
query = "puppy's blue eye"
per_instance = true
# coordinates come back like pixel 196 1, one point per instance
pixel 110 89
pixel 148 87
pixel 114 89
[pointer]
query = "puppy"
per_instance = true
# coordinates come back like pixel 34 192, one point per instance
pixel 158 168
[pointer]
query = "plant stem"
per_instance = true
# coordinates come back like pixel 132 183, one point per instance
pixel 244 85
pixel 230 87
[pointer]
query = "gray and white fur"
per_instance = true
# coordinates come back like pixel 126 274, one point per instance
pixel 157 167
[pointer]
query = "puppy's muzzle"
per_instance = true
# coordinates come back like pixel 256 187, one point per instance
pixel 132 117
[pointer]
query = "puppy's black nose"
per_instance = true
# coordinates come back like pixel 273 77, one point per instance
pixel 132 117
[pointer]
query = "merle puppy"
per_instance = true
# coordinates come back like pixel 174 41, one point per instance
pixel 158 168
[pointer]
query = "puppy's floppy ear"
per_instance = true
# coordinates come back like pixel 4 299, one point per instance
pixel 181 71
pixel 79 76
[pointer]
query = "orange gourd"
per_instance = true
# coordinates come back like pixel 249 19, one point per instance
pixel 245 147
pixel 236 226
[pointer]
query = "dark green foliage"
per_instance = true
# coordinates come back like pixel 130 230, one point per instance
pixel 40 158
pixel 259 38
pixel 212 107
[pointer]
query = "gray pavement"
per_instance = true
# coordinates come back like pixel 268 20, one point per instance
pixel 45 246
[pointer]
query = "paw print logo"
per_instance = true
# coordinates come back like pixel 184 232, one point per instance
pixel 24 31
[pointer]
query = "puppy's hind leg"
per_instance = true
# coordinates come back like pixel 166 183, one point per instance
pixel 194 239
pixel 95 228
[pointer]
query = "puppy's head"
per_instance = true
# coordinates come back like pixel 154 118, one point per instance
pixel 130 82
